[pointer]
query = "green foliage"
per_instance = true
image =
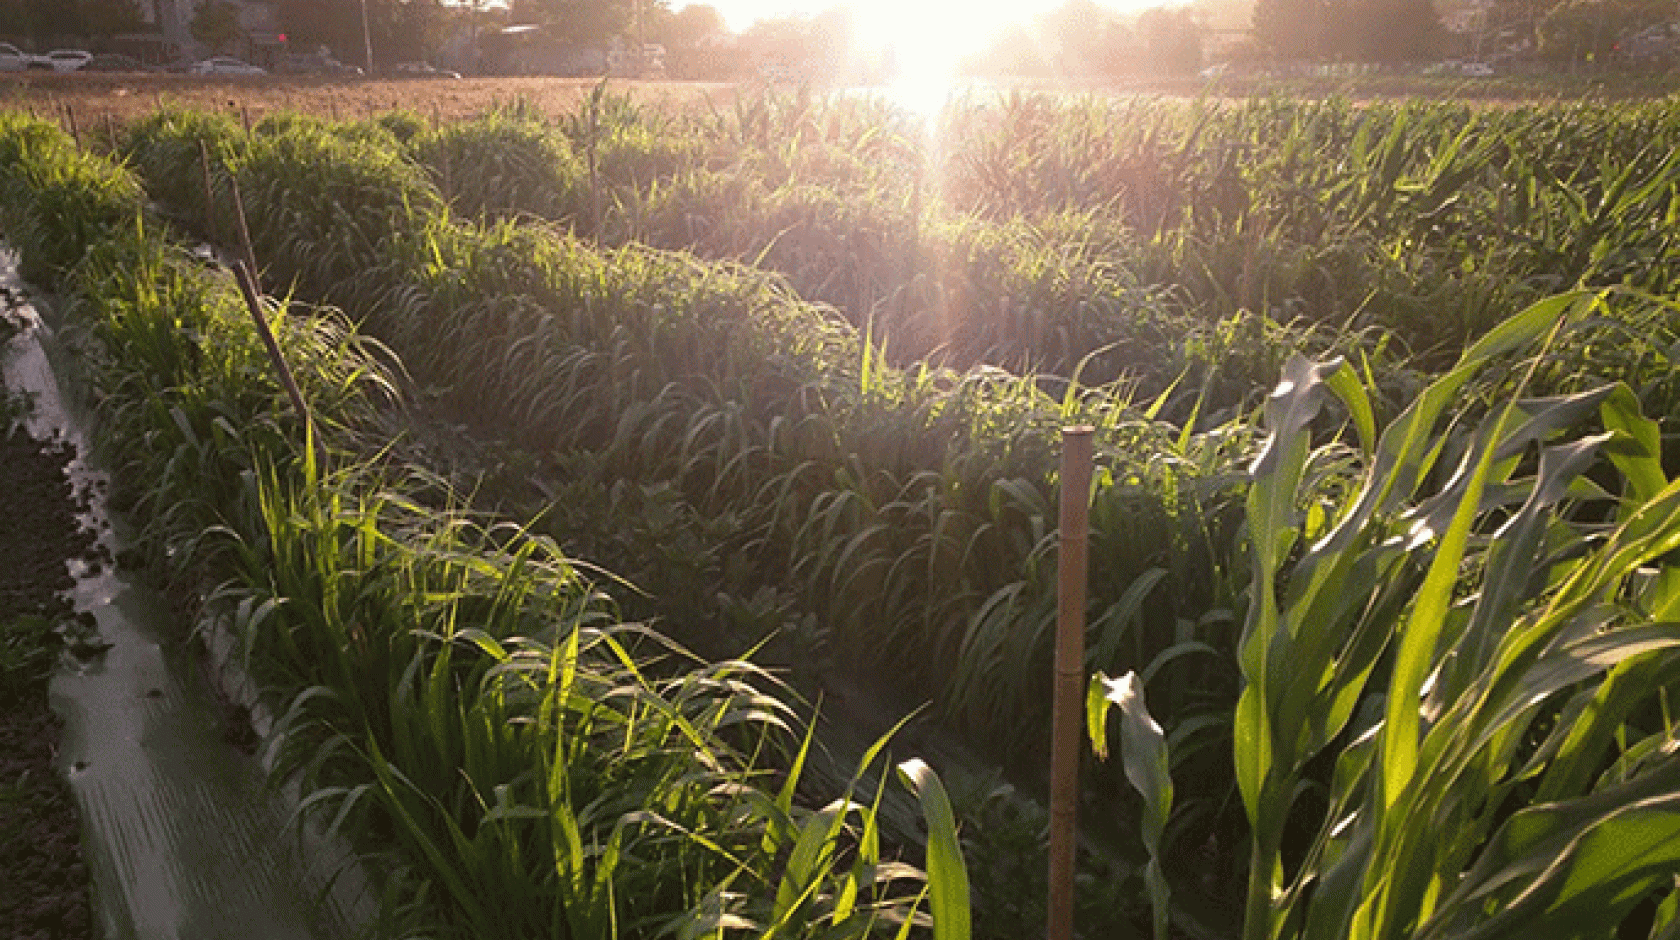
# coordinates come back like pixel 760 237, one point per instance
pixel 216 24
pixel 28 652
pixel 1143 749
pixel 63 200
pixel 1453 638
pixel 500 165
pixel 451 691
pixel 761 464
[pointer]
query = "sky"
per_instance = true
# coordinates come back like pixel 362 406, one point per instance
pixel 954 25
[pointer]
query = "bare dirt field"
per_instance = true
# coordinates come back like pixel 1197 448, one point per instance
pixel 123 97
pixel 95 98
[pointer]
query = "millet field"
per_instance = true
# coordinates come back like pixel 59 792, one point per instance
pixel 667 547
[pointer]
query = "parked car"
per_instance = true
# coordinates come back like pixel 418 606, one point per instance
pixel 423 70
pixel 1456 67
pixel 226 65
pixel 113 62
pixel 13 59
pixel 67 60
pixel 314 63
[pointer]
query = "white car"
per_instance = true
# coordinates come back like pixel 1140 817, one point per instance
pixel 13 59
pixel 226 65
pixel 67 60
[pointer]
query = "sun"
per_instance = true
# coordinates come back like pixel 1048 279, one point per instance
pixel 928 39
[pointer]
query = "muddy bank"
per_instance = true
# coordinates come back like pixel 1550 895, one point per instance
pixel 43 878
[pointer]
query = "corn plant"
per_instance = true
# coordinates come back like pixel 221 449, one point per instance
pixel 1482 653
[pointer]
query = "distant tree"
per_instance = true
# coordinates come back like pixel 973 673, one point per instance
pixel 216 24
pixel 818 46
pixel 579 22
pixel 692 27
pixel 1083 38
pixel 696 41
pixel 1293 29
pixel 1589 30
pixel 405 30
pixel 336 24
pixel 109 17
pixel 39 19
pixel 1172 40
pixel 1387 30
pixel 1015 52
pixel 401 30
pixel 1360 30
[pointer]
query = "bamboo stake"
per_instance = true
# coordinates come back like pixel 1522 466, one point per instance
pixel 248 288
pixel 70 117
pixel 110 132
pixel 594 168
pixel 244 230
pixel 209 191
pixel 245 117
pixel 1070 675
pixel 447 181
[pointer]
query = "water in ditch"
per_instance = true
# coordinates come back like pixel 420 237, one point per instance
pixel 182 838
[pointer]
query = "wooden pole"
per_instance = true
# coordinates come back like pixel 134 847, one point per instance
pixel 447 180
pixel 209 191
pixel 594 170
pixel 75 132
pixel 1067 722
pixel 248 288
pixel 244 230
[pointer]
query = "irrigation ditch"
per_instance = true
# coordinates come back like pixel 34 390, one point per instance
pixel 45 889
pixel 181 831
pixel 687 734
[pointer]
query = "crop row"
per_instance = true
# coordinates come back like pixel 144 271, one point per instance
pixel 453 694
pixel 1161 239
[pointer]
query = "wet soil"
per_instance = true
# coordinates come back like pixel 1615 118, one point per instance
pixel 43 878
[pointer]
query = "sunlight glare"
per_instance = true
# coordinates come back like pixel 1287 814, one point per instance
pixel 922 91
pixel 927 41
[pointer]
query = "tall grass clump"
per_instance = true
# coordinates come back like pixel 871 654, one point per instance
pixel 63 200
pixel 499 165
